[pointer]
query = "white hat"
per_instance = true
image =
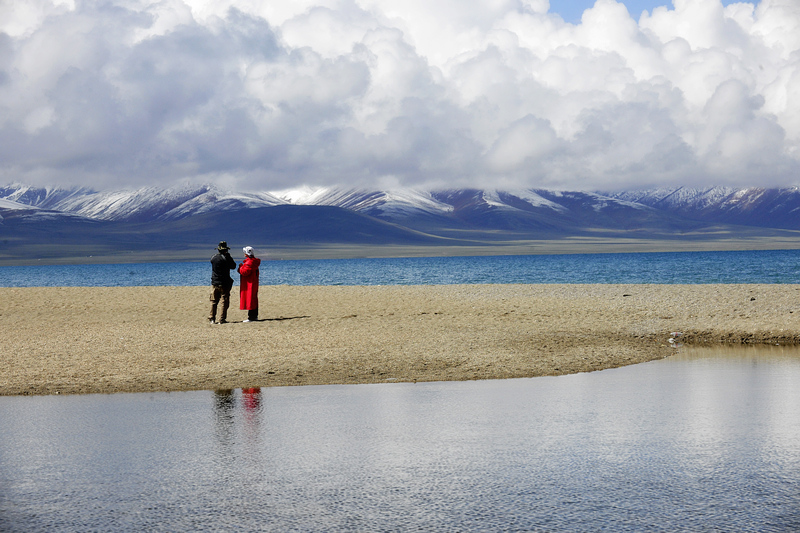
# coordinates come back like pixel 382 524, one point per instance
pixel 248 250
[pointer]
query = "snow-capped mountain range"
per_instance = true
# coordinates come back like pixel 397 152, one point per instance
pixel 313 215
pixel 775 207
pixel 763 207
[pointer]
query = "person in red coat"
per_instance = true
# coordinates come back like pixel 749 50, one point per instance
pixel 248 284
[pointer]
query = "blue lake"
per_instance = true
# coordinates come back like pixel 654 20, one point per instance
pixel 772 266
pixel 701 441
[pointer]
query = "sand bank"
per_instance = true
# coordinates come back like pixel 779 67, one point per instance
pixel 140 339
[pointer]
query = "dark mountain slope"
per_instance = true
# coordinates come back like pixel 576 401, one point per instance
pixel 295 224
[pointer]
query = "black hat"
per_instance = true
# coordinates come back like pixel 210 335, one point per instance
pixel 223 246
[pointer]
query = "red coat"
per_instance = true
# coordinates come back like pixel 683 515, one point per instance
pixel 248 285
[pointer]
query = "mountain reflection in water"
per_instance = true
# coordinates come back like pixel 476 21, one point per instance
pixel 701 441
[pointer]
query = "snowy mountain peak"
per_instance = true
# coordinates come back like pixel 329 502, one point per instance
pixel 304 195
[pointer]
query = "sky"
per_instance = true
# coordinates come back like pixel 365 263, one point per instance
pixel 270 95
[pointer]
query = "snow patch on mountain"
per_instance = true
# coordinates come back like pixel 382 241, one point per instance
pixel 16 206
pixel 391 203
pixel 304 195
pixel 492 198
pixel 678 197
pixel 535 199
pixel 215 200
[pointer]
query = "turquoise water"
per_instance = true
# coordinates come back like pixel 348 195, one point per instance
pixel 696 442
pixel 771 266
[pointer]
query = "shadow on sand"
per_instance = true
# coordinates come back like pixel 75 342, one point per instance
pixel 278 319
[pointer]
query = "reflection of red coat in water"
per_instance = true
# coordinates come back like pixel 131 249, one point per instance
pixel 248 285
pixel 252 398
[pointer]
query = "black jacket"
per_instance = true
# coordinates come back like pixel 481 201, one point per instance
pixel 221 265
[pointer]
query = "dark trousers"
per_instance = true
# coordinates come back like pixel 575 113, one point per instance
pixel 252 314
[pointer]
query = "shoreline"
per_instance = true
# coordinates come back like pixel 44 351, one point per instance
pixel 783 240
pixel 80 340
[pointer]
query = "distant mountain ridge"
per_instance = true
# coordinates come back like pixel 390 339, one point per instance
pixel 761 207
pixel 136 205
pixel 754 206
pixel 191 215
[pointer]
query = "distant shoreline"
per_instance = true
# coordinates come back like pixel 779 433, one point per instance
pixel 33 254
pixel 76 340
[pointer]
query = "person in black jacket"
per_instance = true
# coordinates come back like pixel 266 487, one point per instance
pixel 221 282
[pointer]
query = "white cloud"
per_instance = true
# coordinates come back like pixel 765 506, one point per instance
pixel 274 95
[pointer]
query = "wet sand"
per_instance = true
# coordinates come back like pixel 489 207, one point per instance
pixel 73 340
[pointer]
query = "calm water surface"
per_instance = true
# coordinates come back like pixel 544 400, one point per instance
pixel 770 266
pixel 702 441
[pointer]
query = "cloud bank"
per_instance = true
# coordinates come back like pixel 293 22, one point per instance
pixel 386 93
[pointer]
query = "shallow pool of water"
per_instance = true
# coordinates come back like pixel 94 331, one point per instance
pixel 704 440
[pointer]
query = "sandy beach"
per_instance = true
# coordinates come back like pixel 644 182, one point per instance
pixel 76 340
